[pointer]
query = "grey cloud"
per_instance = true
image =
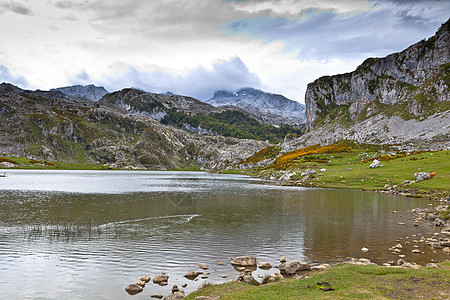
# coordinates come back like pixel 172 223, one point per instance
pixel 7 76
pixel 16 7
pixel 83 78
pixel 387 28
pixel 200 83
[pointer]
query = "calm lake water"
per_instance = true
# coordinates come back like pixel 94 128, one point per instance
pixel 88 234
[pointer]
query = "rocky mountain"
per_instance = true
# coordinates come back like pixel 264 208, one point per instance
pixel 52 126
pixel 273 108
pixel 88 92
pixel 415 77
pixel 155 105
pixel 403 97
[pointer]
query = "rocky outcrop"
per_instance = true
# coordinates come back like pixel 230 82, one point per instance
pixel 272 108
pixel 416 78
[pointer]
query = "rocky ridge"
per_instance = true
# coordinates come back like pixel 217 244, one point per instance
pixel 417 77
pixel 273 108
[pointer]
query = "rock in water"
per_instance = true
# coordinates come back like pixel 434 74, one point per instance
pixel 145 278
pixel 293 267
pixel 134 289
pixel 191 275
pixel 265 266
pixel 161 279
pixel 244 261
pixel 283 259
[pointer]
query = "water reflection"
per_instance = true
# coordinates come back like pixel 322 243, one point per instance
pixel 78 230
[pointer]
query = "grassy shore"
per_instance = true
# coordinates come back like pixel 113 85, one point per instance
pixel 347 167
pixel 349 282
pixel 27 163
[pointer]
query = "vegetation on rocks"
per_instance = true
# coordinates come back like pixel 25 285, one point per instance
pixel 231 123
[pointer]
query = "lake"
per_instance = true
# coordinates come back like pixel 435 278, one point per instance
pixel 88 234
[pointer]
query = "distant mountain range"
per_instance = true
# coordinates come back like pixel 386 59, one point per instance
pixel 266 107
pixel 273 108
pixel 86 92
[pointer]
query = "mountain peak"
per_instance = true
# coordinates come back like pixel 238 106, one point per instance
pixel 274 108
pixel 89 92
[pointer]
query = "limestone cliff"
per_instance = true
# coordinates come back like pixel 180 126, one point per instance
pixel 409 84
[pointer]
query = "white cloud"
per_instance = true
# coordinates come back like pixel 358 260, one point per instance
pixel 185 46
pixel 200 83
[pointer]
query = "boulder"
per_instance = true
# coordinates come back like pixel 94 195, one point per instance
pixel 158 296
pixel 175 289
pixel 191 275
pixel 161 279
pixel 265 266
pixel 244 261
pixel 376 164
pixel 246 277
pixel 293 267
pixel 421 176
pixel 283 259
pixel 134 289
pixel 145 278
pixel 175 296
pixel 141 283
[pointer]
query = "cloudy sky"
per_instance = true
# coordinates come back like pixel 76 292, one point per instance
pixel 195 47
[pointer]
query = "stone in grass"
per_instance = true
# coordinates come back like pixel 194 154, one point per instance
pixel 293 267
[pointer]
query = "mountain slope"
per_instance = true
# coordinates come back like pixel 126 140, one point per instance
pixel 273 108
pixel 413 82
pixel 88 92
pixel 50 126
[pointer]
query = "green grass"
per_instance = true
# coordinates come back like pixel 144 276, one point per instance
pixel 349 282
pixel 356 174
pixel 26 163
